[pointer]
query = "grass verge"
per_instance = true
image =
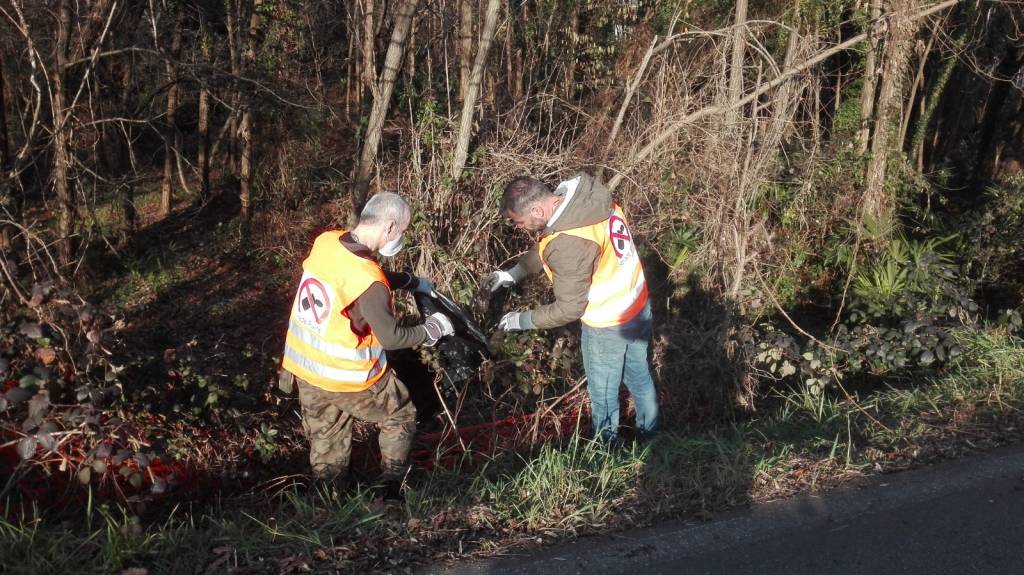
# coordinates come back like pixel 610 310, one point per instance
pixel 807 443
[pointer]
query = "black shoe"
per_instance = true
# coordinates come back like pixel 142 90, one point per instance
pixel 389 490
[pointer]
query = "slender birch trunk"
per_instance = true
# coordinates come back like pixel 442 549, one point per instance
pixel 63 187
pixel 465 46
pixel 867 93
pixel 171 138
pixel 381 102
pixel 739 45
pixel 890 104
pixel 469 103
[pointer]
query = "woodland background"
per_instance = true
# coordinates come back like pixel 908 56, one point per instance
pixel 827 195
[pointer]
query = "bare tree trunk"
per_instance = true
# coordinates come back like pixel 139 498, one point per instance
pixel 203 152
pixel 894 72
pixel 170 129
pixel 203 158
pixel 382 101
pixel 5 148
pixel 246 127
pixel 918 82
pixel 469 103
pixel 237 12
pixel 574 35
pixel 739 45
pixel 368 76
pixel 63 187
pixel 867 93
pixel 245 168
pixel 931 104
pixel 781 100
pixel 6 180
pixel 350 66
pixel 114 149
pixel 515 32
pixel 465 46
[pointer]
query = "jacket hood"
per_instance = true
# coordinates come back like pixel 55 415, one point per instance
pixel 587 202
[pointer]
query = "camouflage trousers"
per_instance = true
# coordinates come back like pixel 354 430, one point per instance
pixel 327 417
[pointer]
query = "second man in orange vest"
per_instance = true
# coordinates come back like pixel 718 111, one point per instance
pixel 586 249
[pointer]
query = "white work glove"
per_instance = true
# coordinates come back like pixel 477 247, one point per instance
pixel 437 325
pixel 516 321
pixel 424 286
pixel 497 280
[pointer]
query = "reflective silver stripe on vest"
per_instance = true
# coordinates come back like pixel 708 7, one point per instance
pixel 332 349
pixel 333 373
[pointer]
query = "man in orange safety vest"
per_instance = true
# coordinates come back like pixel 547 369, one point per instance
pixel 341 325
pixel 587 250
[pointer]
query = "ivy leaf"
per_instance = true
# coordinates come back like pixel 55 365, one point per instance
pixel 787 369
pixel 159 485
pixel 46 440
pixel 18 395
pixel 26 447
pixel 37 296
pixel 85 314
pixel 122 454
pixel 38 406
pixel 135 480
pixel 31 330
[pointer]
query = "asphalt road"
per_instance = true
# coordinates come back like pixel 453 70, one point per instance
pixel 958 517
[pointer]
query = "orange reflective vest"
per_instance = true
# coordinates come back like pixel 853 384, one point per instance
pixel 322 346
pixel 618 290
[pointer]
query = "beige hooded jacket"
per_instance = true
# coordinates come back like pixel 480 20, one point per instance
pixel 571 259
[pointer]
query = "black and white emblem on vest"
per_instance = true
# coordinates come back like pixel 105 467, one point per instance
pixel 620 238
pixel 312 304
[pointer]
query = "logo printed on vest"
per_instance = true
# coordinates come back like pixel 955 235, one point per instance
pixel 620 238
pixel 313 304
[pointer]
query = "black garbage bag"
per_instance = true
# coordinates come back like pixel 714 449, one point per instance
pixel 460 355
pixel 463 351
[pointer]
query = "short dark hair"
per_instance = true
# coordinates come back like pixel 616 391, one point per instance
pixel 521 193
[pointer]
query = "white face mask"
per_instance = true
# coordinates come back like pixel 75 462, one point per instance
pixel 391 248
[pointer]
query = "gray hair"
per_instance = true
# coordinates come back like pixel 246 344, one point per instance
pixel 385 206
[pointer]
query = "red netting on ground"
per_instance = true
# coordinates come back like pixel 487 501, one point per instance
pixel 51 480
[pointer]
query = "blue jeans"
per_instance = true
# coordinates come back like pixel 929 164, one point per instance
pixel 614 355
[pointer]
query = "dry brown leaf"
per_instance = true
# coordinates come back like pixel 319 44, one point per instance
pixel 46 355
